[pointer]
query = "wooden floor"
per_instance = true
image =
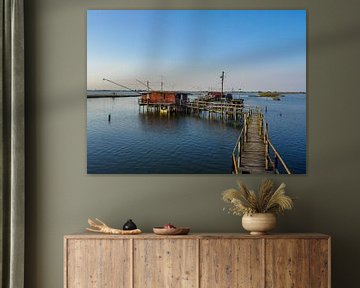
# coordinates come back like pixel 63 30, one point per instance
pixel 253 153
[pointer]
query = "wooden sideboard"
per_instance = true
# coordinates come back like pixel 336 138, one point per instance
pixel 197 260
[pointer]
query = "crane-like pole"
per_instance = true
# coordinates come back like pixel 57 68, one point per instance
pixel 147 84
pixel 123 86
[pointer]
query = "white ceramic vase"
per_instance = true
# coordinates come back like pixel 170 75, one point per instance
pixel 259 223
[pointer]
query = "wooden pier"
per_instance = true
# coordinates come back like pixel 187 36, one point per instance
pixel 177 103
pixel 215 108
pixel 254 153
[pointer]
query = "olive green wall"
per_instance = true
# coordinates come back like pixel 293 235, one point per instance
pixel 60 196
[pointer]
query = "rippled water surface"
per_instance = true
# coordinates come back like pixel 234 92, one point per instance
pixel 287 127
pixel 134 142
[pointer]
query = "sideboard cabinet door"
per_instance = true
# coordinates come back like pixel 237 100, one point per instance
pixel 165 263
pixel 98 263
pixel 297 263
pixel 320 263
pixel 231 263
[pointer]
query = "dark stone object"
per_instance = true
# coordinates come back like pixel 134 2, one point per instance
pixel 129 225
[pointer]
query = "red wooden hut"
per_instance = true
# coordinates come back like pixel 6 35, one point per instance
pixel 163 97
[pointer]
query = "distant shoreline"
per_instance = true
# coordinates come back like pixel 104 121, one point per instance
pixel 111 96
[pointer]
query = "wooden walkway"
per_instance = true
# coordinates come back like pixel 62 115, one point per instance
pixel 254 153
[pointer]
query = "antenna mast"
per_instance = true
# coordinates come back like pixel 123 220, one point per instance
pixel 222 84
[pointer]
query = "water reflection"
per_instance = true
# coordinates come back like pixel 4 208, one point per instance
pixel 137 142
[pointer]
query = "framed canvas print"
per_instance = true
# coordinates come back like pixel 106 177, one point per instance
pixel 196 91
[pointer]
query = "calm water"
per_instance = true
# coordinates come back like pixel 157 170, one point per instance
pixel 134 142
pixel 287 127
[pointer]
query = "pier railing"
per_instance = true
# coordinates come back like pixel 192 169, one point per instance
pixel 220 106
pixel 236 154
pixel 273 159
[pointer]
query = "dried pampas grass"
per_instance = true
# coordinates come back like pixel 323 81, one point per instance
pixel 267 200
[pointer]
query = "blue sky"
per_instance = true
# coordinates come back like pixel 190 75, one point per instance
pixel 257 49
